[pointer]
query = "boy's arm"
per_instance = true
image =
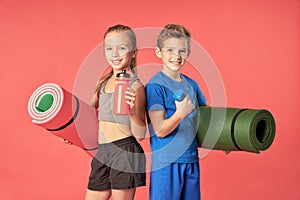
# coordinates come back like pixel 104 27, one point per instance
pixel 163 127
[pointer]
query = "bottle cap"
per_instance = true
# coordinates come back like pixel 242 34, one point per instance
pixel 123 74
pixel 179 95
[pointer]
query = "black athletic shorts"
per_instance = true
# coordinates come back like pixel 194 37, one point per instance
pixel 118 165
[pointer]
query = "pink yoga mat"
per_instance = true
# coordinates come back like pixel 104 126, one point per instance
pixel 65 116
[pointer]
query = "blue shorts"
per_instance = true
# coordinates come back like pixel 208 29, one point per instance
pixel 176 181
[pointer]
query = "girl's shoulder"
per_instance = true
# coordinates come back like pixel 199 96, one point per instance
pixel 101 90
pixel 136 83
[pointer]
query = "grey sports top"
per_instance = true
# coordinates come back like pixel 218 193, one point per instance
pixel 106 106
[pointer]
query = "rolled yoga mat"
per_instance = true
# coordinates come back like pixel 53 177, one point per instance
pixel 233 129
pixel 65 116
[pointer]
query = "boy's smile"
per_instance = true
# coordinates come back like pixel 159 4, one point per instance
pixel 174 53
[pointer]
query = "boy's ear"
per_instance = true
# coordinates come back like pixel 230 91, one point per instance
pixel 158 52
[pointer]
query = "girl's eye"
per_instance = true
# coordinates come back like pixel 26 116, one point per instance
pixel 108 49
pixel 169 50
pixel 182 51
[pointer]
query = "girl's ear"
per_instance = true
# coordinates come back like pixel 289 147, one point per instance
pixel 134 53
pixel 158 52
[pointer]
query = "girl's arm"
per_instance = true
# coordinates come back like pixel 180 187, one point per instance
pixel 94 101
pixel 163 127
pixel 137 101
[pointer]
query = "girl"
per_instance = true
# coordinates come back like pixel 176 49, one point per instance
pixel 119 166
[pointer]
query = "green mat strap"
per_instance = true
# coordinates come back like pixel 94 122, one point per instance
pixel 232 128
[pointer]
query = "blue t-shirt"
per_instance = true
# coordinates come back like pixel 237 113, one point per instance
pixel 180 146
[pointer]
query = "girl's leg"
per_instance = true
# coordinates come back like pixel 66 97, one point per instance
pixel 97 195
pixel 127 194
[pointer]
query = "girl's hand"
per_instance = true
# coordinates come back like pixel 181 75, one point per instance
pixel 185 106
pixel 66 141
pixel 130 97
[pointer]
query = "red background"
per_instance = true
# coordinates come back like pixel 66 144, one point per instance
pixel 254 43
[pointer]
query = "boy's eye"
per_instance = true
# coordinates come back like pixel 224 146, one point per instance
pixel 108 49
pixel 123 49
pixel 183 52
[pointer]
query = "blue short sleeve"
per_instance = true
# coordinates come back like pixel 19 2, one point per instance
pixel 201 98
pixel 155 98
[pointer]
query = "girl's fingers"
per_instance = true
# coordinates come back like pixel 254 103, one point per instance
pixel 130 92
pixel 131 104
pixel 130 96
pixel 66 141
pixel 130 100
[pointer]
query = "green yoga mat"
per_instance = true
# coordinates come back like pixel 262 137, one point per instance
pixel 234 129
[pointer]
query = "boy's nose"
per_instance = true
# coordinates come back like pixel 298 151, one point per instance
pixel 176 54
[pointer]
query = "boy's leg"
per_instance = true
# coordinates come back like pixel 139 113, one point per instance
pixel 166 183
pixel 191 187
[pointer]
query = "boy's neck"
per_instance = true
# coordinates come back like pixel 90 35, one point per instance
pixel 175 75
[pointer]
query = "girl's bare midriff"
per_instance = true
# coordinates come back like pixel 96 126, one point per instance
pixel 111 131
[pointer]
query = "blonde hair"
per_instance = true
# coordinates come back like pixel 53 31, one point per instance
pixel 173 31
pixel 131 35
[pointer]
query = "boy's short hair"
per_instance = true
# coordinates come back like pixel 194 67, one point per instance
pixel 173 31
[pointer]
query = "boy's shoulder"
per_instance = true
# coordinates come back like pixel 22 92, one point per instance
pixel 156 76
pixel 157 79
pixel 190 80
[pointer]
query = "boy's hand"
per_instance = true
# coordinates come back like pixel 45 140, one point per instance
pixel 185 106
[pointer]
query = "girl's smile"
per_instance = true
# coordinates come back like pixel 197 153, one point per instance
pixel 118 50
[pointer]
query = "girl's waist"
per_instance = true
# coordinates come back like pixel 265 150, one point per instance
pixel 117 143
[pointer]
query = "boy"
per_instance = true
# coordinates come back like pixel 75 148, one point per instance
pixel 175 170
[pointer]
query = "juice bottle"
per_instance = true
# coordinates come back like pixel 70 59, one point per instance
pixel 120 105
